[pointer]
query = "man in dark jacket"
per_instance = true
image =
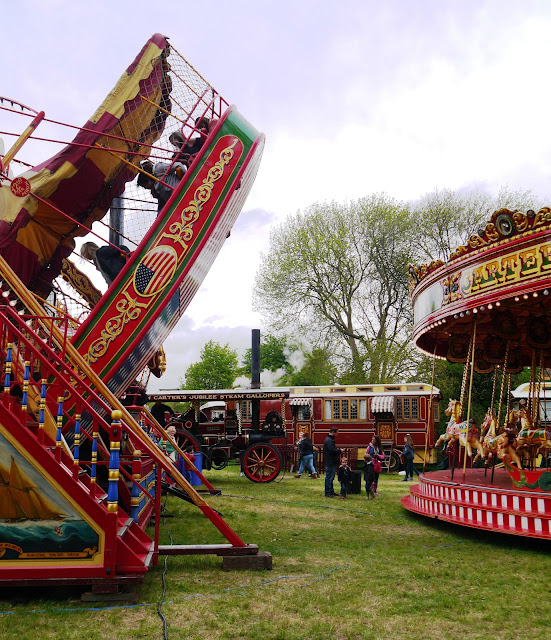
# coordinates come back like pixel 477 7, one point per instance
pixel 158 411
pixel 331 457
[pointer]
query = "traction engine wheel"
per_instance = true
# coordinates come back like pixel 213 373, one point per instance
pixel 262 462
pixel 217 459
pixel 395 461
pixel 188 443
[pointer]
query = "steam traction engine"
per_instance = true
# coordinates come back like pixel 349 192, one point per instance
pixel 223 437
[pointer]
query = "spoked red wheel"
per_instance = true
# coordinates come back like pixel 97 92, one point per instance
pixel 261 463
pixel 187 442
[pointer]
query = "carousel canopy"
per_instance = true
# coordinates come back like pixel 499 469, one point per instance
pixel 494 292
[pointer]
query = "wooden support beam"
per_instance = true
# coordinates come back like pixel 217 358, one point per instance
pixel 200 549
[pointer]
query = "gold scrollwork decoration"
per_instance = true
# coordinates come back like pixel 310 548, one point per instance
pixel 129 309
pixel 475 241
pixel 491 232
pixel 521 221
pixel 450 285
pixel 80 282
pixel 543 216
pixel 182 232
pixel 460 251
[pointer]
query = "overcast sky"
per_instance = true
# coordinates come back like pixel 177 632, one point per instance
pixel 354 97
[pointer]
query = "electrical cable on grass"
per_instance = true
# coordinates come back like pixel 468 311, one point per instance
pixel 163 578
pixel 223 591
pixel 175 602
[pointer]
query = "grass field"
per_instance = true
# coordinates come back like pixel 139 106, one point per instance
pixel 342 569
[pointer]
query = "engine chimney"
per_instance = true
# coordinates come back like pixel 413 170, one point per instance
pixel 255 377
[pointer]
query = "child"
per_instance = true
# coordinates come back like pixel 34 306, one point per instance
pixel 344 476
pixel 369 475
pixel 375 450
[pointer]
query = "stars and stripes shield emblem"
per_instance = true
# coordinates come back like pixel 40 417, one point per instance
pixel 155 270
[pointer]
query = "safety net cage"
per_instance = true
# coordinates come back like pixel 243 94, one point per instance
pixel 160 109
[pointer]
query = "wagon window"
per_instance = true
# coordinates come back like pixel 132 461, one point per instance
pixel 303 412
pixel 345 409
pixel 246 410
pixel 407 408
pixel 545 411
pixel 436 412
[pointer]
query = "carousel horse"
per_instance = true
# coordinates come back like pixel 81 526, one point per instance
pixel 531 438
pixel 468 435
pixel 508 445
pixel 489 437
pixel 470 439
pixel 453 429
pixel 500 445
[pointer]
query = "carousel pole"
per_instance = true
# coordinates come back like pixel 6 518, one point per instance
pixel 473 351
pixel 461 403
pixel 492 408
pixel 431 416
pixel 502 388
pixel 494 388
pixel 532 392
pixel 498 419
pixel 537 412
pixel 545 407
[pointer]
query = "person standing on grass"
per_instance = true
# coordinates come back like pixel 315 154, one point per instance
pixel 306 456
pixel 331 457
pixel 369 475
pixel 409 455
pixel 344 476
pixel 376 452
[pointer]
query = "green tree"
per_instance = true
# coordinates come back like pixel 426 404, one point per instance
pixel 316 370
pixel 338 274
pixel 274 352
pixel 217 369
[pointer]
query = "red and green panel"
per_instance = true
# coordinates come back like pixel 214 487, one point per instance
pixel 151 293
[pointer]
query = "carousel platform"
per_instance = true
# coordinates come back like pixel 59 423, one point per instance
pixel 474 500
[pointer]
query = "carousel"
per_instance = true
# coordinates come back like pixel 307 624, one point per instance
pixel 489 307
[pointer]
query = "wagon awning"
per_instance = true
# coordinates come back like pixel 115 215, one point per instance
pixel 301 402
pixel 382 404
